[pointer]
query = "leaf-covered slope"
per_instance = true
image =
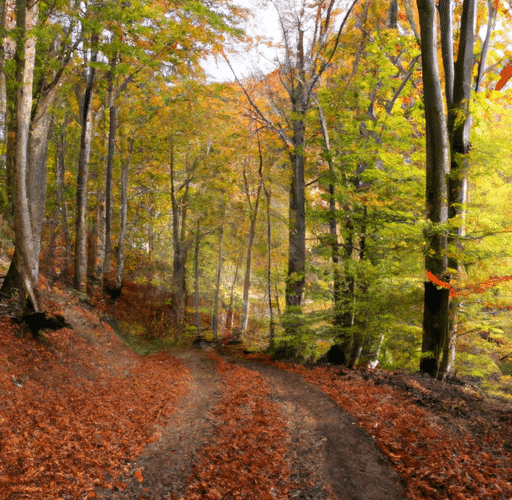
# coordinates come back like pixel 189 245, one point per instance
pixel 445 441
pixel 75 412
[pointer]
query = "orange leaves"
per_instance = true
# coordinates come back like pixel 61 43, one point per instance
pixel 74 419
pixel 437 457
pixel 245 459
pixel 138 476
pixel 506 74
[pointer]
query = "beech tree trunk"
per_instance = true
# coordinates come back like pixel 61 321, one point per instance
pixel 82 190
pixel 230 312
pixel 180 246
pixel 459 126
pixel 61 145
pixel 27 248
pixel 297 217
pixel 436 299
pixel 216 300
pixel 253 210
pixel 108 181
pixel 197 317
pixel 271 326
pixel 124 215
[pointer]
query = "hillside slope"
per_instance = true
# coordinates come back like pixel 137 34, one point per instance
pixel 82 416
pixel 77 407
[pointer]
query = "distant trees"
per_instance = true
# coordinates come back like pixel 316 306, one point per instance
pixel 325 152
pixel 100 39
pixel 310 36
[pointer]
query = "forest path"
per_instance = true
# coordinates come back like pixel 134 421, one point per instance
pixel 326 436
pixel 327 450
pixel 166 464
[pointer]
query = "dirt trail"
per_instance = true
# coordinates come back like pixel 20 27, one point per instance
pixel 327 448
pixel 166 464
pixel 325 435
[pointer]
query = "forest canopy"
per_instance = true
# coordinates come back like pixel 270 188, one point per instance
pixel 354 195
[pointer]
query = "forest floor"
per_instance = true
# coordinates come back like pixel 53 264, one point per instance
pixel 82 416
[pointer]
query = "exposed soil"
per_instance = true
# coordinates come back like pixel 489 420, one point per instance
pixel 82 416
pixel 166 464
pixel 329 444
pixel 328 451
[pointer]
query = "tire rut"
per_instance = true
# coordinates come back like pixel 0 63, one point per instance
pixel 166 464
pixel 343 454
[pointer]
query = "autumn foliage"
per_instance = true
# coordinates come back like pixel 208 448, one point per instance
pixel 433 434
pixel 246 458
pixel 78 407
pixel 75 415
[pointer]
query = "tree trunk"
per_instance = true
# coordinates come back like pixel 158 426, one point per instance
pixel 297 219
pixel 108 187
pixel 436 300
pixel 196 283
pixel 27 260
pixel 216 300
pixel 485 48
pixel 271 326
pixel 39 137
pixel 180 249
pixel 250 241
pixel 459 130
pixel 124 215
pixel 337 278
pixel 3 84
pixel 61 200
pixel 230 312
pixel 82 192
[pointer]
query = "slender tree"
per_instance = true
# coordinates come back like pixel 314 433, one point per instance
pixel 26 234
pixel 253 215
pixel 310 39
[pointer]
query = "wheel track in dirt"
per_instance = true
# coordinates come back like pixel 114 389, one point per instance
pixel 348 459
pixel 166 464
pixel 326 447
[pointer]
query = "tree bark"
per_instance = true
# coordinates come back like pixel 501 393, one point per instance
pixel 196 282
pixel 436 300
pixel 108 179
pixel 61 200
pixel 124 215
pixel 271 326
pixel 337 278
pixel 485 48
pixel 82 192
pixel 297 219
pixel 27 260
pixel 180 247
pixel 250 241
pixel 459 126
pixel 216 300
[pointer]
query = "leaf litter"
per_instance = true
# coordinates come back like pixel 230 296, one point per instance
pixel 78 409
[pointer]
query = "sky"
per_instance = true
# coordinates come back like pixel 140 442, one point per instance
pixel 264 22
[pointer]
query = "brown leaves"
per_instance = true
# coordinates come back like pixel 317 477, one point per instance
pixel 437 458
pixel 72 421
pixel 245 458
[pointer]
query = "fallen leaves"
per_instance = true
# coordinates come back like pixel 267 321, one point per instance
pixel 246 457
pixel 437 455
pixel 74 421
